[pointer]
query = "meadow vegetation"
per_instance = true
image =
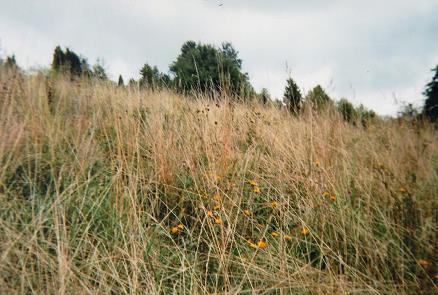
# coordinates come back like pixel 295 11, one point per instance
pixel 124 190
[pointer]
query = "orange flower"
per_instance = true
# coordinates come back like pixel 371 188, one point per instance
pixel 217 207
pixel 403 190
pixel 305 231
pixel 247 212
pixel 317 163
pixel 261 244
pixel 210 213
pixel 274 204
pixel 218 220
pixel 333 197
pixel 287 238
pixel 256 189
pixel 423 262
pixel 176 229
pixel 275 234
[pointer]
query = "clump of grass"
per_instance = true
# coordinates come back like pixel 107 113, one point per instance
pixel 106 189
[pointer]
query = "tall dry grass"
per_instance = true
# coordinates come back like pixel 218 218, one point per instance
pixel 114 190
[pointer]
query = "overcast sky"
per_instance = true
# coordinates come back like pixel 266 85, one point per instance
pixel 371 52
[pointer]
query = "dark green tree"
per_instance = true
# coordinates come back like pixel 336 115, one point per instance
pixel 150 77
pixel 120 83
pixel 67 62
pixel 73 63
pixel 264 96
pixel 318 98
pixel 347 110
pixel 10 62
pixel 292 96
pixel 209 69
pixel 58 59
pixel 99 71
pixel 430 109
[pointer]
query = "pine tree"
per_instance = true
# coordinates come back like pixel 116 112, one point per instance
pixel 121 83
pixel 292 96
pixel 58 59
pixel 431 93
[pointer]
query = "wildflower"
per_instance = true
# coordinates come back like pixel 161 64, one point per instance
pixel 217 207
pixel 210 213
pixel 423 262
pixel 287 238
pixel 325 194
pixel 317 163
pixel 274 204
pixel 253 182
pixel 403 190
pixel 305 231
pixel 217 198
pixel 262 244
pixel 256 189
pixel 333 197
pixel 275 234
pixel 246 212
pixel 218 220
pixel 176 229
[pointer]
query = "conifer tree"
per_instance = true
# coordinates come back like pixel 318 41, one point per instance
pixel 292 96
pixel 431 104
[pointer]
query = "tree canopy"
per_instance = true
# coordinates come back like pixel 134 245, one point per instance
pixel 206 68
pixel 431 93
pixel 292 96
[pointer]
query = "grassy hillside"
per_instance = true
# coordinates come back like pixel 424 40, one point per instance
pixel 113 190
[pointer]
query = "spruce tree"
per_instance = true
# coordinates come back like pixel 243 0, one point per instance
pixel 292 96
pixel 121 83
pixel 431 93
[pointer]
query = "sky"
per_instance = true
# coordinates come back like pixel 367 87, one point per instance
pixel 376 53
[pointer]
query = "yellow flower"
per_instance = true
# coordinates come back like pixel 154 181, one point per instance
pixel 423 262
pixel 275 234
pixel 287 238
pixel 176 229
pixel 305 231
pixel 325 194
pixel 261 244
pixel 210 213
pixel 403 190
pixel 333 197
pixel 247 212
pixel 217 207
pixel 218 220
pixel 274 204
pixel 253 182
pixel 317 163
pixel 256 189
pixel 217 198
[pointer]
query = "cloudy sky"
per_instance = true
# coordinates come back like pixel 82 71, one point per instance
pixel 378 53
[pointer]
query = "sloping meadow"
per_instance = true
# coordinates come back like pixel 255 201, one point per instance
pixel 107 189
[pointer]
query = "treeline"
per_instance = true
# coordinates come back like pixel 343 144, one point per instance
pixel 217 71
